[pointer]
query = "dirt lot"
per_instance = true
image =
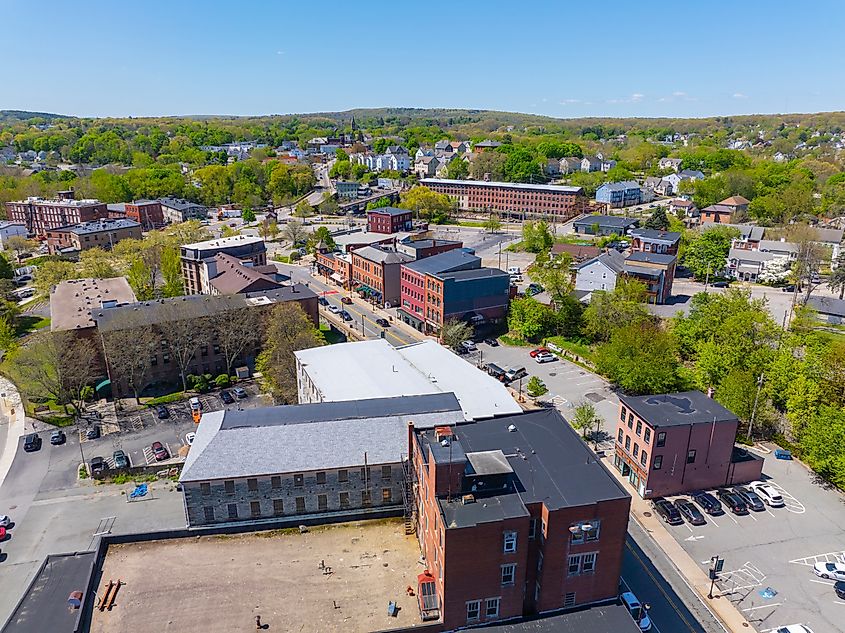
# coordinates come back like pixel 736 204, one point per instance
pixel 212 584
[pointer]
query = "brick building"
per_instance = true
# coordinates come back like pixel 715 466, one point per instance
pixel 514 516
pixel 330 459
pixel 733 209
pixel 513 199
pixel 194 271
pixel 420 249
pixel 229 275
pixel 104 233
pixel 389 220
pixel 178 210
pixel 655 270
pixel 376 273
pixel 673 443
pixel 147 213
pixel 452 285
pixel 40 214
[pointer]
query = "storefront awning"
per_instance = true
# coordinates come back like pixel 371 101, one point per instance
pixel 102 385
pixel 337 277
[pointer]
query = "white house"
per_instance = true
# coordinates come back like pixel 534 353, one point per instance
pixel 599 273
pixel 10 229
pixel 670 163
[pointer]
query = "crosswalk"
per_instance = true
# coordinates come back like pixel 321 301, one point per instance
pixel 829 557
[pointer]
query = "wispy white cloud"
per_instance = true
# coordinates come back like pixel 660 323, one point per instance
pixel 637 97
pixel 740 95
pixel 569 102
pixel 679 93
pixel 280 52
pixel 634 98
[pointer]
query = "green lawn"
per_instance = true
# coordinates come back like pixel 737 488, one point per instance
pixel 167 399
pixel 26 324
pixel 330 335
pixel 573 347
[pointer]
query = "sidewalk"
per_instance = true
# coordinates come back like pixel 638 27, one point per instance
pixel 695 576
pixel 13 416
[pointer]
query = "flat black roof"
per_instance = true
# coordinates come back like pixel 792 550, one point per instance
pixel 607 619
pixel 678 409
pixel 606 220
pixel 44 605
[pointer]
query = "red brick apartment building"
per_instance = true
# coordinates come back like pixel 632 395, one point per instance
pixel 679 442
pixel 513 198
pixel 40 214
pixel 147 213
pixel 515 516
pixel 389 220
pixel 376 273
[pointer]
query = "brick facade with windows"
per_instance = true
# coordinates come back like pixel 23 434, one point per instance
pixel 147 213
pixel 389 220
pixel 40 214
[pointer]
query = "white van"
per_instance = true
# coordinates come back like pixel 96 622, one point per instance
pixel 196 405
pixel 514 270
pixel 637 610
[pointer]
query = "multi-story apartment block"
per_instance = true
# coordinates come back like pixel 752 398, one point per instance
pixel 376 273
pixel 195 272
pixel 514 516
pixel 620 194
pixel 40 214
pixel 514 199
pixel 673 443
pixel 147 213
pixel 389 220
pixel 97 233
pixel 177 210
pixel 653 241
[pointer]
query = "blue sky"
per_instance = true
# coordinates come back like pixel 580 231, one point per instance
pixel 559 58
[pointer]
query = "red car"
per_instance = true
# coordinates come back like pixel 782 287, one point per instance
pixel 159 452
pixel 540 350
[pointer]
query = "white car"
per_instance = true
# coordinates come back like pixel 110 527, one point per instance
pixel 4 520
pixel 334 309
pixel 769 495
pixel 189 438
pixel 793 628
pixel 469 346
pixel 834 571
pixel 545 357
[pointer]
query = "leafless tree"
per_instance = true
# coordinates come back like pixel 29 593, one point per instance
pixel 808 261
pixel 184 335
pixel 294 232
pixel 235 331
pixel 128 353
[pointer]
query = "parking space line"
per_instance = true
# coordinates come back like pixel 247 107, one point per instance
pixel 762 606
pixel 829 557
pixel 829 583
pixel 790 502
pixel 752 516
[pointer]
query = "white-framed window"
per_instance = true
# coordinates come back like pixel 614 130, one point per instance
pixel 539 562
pixel 532 529
pixel 588 562
pixel 491 608
pixel 574 565
pixel 473 610
pixel 508 574
pixel 510 543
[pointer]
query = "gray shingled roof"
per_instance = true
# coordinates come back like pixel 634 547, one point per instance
pixel 607 220
pixel 381 256
pixel 309 437
pixel 677 409
pixel 445 262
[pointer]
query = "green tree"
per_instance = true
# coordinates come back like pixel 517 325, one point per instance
pixel 322 234
pixel 294 232
pixel 492 223
pixel 536 237
pixel 6 270
pixel 641 359
pixel 585 418
pixel 836 280
pixel 658 220
pixel 554 273
pixel 458 169
pixel 51 272
pixel 530 320
pixel 379 204
pixel 536 387
pixel 610 311
pixel 706 253
pixel 455 332
pixel 427 204
pixel 303 209
pixel 248 216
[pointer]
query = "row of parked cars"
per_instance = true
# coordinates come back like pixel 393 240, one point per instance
pixel 739 500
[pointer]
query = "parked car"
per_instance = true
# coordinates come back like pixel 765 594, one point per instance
pixel 226 397
pixel 32 443
pixel 98 465
pixel 469 346
pixel 345 315
pixel 57 437
pixel 690 512
pixel 732 500
pixel 540 350
pixel 533 289
pixel 720 284
pixel 346 300
pixel 189 438
pixel 491 342
pixel 334 309
pixel 159 452
pixel 768 494
pixel 750 497
pixel 240 393
pixel 638 610
pixel 515 373
pixel 323 301
pixel 830 571
pixel 162 413
pixel 793 628
pixel 195 403
pixel 121 459
pixel 383 322
pixel 545 357
pixel 667 511
pixel 789 288
pixel 93 433
pixel 5 520
pixel 839 588
pixel 708 503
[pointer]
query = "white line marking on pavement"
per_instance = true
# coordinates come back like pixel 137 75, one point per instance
pixel 822 582
pixel 829 557
pixel 762 606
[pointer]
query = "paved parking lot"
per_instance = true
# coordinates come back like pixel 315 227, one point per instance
pixel 769 555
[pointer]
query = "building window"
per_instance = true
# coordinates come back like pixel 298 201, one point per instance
pixel 255 509
pixel 510 542
pixel 386 473
pixel 229 486
pixel 532 529
pixel 661 439
pixel 208 513
pixel 366 500
pixel 300 504
pixel 491 608
pixel 627 442
pixel 574 565
pixel 365 474
pixel 539 562
pixel 278 507
pixel 569 599
pixel 508 573
pixel 658 462
pixel 639 427
pixel 643 458
pixel 275 482
pixel 630 419
pixel 619 436
pixel 588 563
pixel 252 485
pixel 647 436
pixel 344 499
pixel 622 414
pixel 386 495
pixel 343 476
pixel 298 481
pixel 321 477
pixel 322 502
pixel 473 610
pixel 233 510
pixel 537 592
pixel 691 456
pixel 205 489
pixel 636 450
